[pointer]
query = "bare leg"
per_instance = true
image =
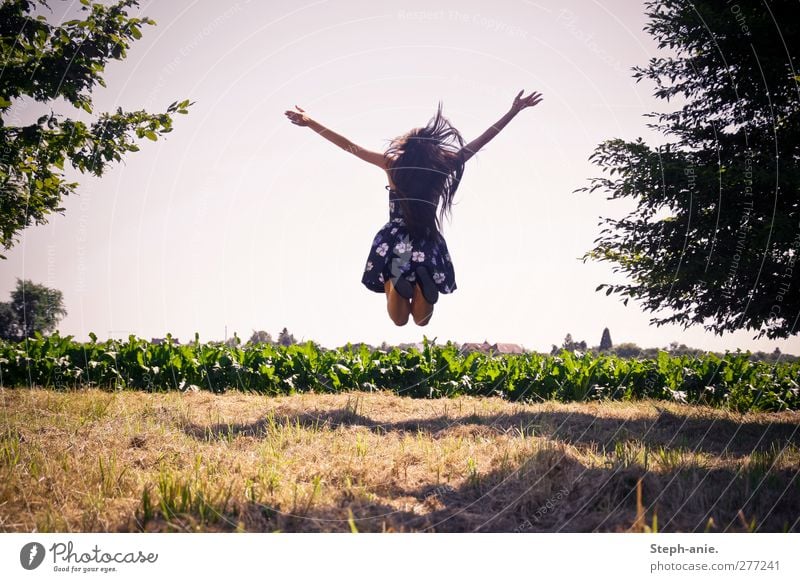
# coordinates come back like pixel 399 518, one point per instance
pixel 399 308
pixel 420 309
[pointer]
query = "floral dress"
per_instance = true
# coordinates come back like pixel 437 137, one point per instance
pixel 395 253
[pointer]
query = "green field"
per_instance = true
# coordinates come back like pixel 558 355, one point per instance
pixel 733 381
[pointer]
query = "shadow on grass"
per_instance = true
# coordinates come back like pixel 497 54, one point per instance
pixel 550 492
pixel 554 490
pixel 716 436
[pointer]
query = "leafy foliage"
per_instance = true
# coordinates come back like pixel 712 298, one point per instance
pixel 45 62
pixel 569 345
pixel 715 233
pixel 33 308
pixel 435 371
pixel 285 338
pixel 260 337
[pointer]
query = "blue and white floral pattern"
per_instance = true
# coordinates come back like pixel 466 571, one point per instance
pixel 403 247
pixel 395 253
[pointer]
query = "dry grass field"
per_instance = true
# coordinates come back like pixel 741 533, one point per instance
pixel 133 461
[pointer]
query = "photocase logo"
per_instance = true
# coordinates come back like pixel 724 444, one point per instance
pixel 31 556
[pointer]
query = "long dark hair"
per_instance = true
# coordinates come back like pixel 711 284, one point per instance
pixel 426 169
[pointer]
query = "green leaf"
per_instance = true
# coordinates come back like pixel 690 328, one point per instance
pixel 89 147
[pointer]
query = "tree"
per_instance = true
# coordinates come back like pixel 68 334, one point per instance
pixel 33 308
pixel 9 330
pixel 45 62
pixel 627 350
pixel 715 231
pixel 605 341
pixel 677 349
pixel 569 345
pixel 260 337
pixel 285 338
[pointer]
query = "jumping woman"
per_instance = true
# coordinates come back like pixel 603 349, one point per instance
pixel 409 260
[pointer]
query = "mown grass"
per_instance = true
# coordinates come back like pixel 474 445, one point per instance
pixel 91 460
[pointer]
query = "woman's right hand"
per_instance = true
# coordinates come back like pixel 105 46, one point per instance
pixel 298 117
pixel 521 102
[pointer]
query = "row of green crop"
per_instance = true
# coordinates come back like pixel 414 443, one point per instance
pixel 437 370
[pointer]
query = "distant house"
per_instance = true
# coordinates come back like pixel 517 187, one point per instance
pixel 162 340
pixel 508 348
pixel 485 347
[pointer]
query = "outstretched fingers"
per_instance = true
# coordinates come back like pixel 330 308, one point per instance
pixel 522 102
pixel 297 117
pixel 535 98
pixel 532 99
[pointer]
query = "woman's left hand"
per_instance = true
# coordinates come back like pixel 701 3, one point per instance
pixel 521 102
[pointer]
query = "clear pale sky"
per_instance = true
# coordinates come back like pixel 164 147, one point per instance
pixel 241 219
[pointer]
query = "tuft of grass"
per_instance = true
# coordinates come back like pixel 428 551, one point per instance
pixel 760 463
pixel 110 475
pixel 9 448
pixel 627 454
pixel 640 523
pixel 181 499
pixel 361 446
pixel 472 472
pixel 93 409
pixel 351 522
pixel 147 508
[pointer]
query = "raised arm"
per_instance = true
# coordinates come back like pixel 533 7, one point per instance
pixel 518 105
pixel 300 117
